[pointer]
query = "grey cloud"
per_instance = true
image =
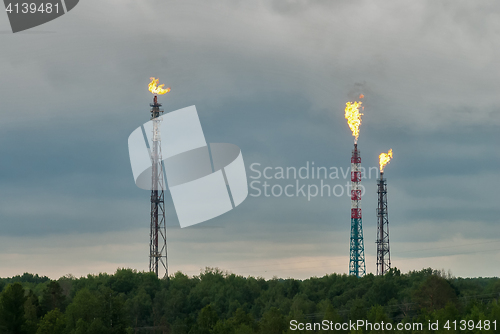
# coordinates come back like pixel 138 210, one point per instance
pixel 272 77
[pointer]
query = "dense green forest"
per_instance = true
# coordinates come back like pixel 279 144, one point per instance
pixel 219 303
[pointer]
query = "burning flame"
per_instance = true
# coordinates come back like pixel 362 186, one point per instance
pixel 361 96
pixel 353 117
pixel 158 90
pixel 384 159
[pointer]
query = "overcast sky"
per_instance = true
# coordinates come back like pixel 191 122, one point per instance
pixel 273 78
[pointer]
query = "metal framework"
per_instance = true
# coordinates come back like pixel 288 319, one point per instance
pixel 357 265
pixel 158 228
pixel 383 251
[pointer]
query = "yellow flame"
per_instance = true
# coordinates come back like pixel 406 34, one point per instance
pixel 384 159
pixel 353 117
pixel 159 90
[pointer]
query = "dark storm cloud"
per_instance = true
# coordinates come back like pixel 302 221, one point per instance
pixel 271 77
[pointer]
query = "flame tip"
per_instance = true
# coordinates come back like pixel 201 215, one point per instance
pixel 384 159
pixel 157 90
pixel 353 117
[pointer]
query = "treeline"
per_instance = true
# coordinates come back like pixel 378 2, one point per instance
pixel 222 303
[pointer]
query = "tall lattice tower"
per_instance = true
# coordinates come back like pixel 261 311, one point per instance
pixel 158 228
pixel 383 251
pixel 357 265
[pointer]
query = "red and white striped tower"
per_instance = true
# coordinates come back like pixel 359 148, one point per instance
pixel 357 265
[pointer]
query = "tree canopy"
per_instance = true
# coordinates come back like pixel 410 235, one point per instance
pixel 216 302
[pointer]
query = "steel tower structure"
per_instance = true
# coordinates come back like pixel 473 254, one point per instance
pixel 383 252
pixel 158 228
pixel 357 265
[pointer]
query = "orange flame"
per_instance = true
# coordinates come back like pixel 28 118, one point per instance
pixel 158 90
pixel 384 159
pixel 361 96
pixel 353 117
